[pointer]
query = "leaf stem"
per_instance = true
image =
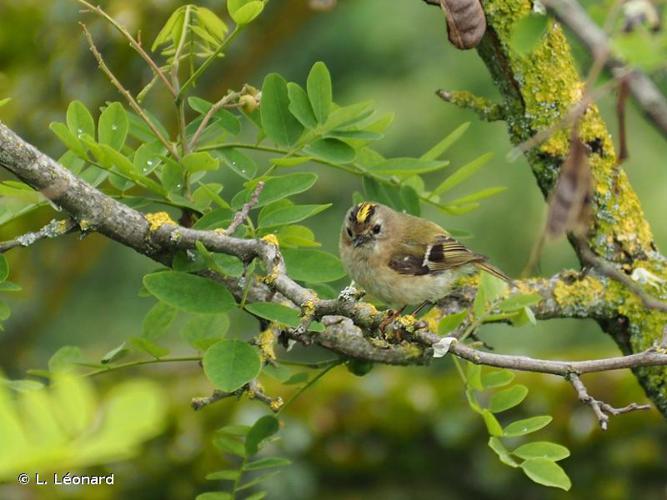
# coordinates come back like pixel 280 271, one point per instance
pixel 131 364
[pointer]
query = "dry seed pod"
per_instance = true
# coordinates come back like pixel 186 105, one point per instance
pixel 466 23
pixel 570 202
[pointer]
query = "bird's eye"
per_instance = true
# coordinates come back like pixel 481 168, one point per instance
pixel 349 232
pixel 376 229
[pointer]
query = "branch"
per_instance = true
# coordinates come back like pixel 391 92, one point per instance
pixel 53 229
pixel 252 388
pixel 647 95
pixel 485 109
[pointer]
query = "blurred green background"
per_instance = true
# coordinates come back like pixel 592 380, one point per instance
pixel 397 433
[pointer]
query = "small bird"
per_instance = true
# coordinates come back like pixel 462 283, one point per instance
pixel 404 260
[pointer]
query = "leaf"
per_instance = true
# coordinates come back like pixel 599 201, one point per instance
pixel 496 378
pixel 439 149
pixel 277 122
pixel 246 13
pixel 546 472
pixel 64 358
pixel 474 376
pixel 290 215
pixel 299 105
pixel 275 312
pixel 214 495
pixel 225 475
pixel 229 364
pixel 226 119
pixel 79 120
pixel 507 398
pixel 407 166
pixel 520 301
pixel 4 268
pixel 189 292
pixel 256 481
pixel 113 126
pixel 410 200
pixel 240 163
pixel 524 316
pixel 277 188
pixel 5 101
pixel 492 424
pixel 291 161
pixel 157 321
pixel 477 196
pixel 296 236
pixel 542 449
pixel 115 354
pixel 266 463
pixel 527 425
pixel 462 173
pixel 312 266
pixel 503 453
pixel 319 91
pixel 67 138
pixel 212 22
pixel 450 322
pixel 528 32
pixel 490 288
pixel 149 347
pixel 349 115
pixel 147 157
pixel 200 161
pixel 333 150
pixel 264 428
pixel 204 330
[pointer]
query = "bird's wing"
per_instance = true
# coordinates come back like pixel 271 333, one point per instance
pixel 443 254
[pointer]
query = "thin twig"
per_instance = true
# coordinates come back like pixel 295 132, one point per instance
pixel 209 114
pixel 252 388
pixel 53 229
pixel 242 214
pixel 135 44
pixel 601 409
pixel 126 93
pixel 613 272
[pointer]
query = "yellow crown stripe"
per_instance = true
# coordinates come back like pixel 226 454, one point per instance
pixel 364 211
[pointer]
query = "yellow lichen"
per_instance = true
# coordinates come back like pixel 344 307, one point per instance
pixel 270 278
pixel 407 322
pixel 158 219
pixel 265 342
pixel 432 318
pixel 272 239
pixel 308 308
pixel 276 404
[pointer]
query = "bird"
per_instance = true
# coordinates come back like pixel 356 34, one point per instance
pixel 404 260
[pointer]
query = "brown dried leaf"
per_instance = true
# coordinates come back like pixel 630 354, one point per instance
pixel 570 202
pixel 466 23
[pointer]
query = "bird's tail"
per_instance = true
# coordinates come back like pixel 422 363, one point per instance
pixel 493 270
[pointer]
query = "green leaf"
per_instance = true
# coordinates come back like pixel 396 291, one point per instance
pixel 229 364
pixel 5 311
pixel 296 236
pixel 410 200
pixel 546 472
pixel 246 12
pixel 477 196
pixel 214 495
pixel 277 188
pixel 496 378
pixel 312 266
pixel 275 312
pixel 157 321
pixel 528 32
pixel 200 161
pixel 507 398
pixel 474 376
pixel 264 428
pixel 8 286
pixel 149 347
pixel 189 292
pixel 226 119
pixel 290 215
pixel 204 330
pixel 490 288
pixel 68 138
pixel 492 424
pixel 333 150
pixel 542 449
pixel 240 163
pixel 524 316
pixel 450 322
pixel 516 302
pixel 4 268
pixel 79 120
pixel 290 161
pixel 527 425
pixel 234 430
pixel 224 475
pixel 267 463
pixel 439 149
pixel 278 123
pixel 299 105
pixel 64 358
pixel 319 91
pixel 5 101
pixel 641 49
pixel 503 453
pixel 113 126
pixel 115 354
pixel 147 157
pixel 407 166
pixel 256 481
pixel 349 115
pixel 212 22
pixel 462 173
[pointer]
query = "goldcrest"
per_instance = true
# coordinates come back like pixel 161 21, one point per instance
pixel 401 259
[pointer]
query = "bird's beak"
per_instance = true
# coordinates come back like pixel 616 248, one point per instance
pixel 359 240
